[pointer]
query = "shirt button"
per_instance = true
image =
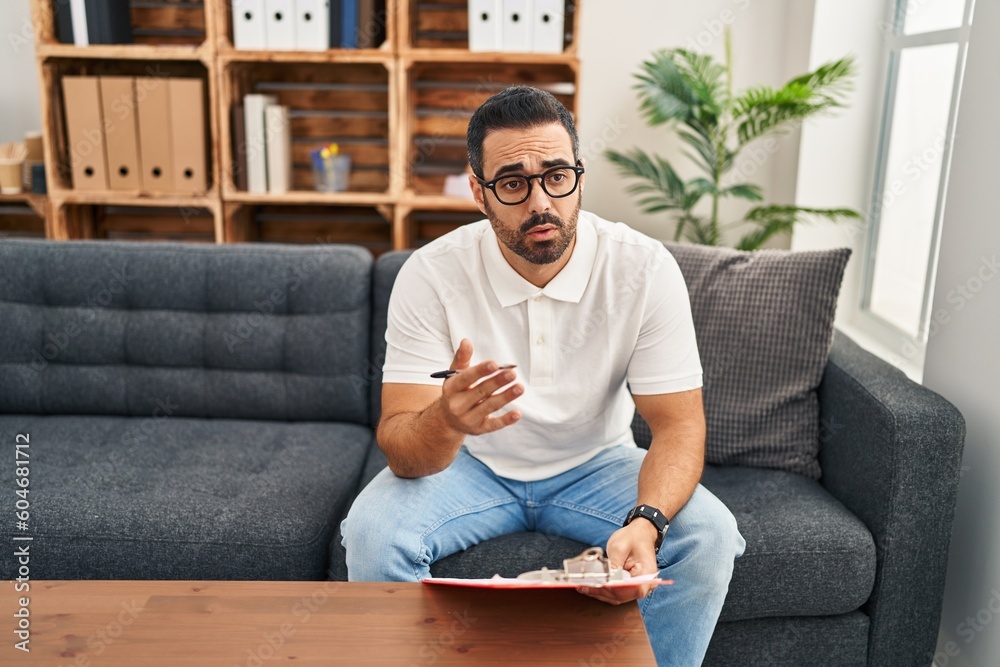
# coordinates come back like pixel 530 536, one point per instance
pixel 537 298
pixel 540 341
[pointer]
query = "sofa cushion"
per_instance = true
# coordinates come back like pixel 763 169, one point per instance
pixel 806 554
pixel 181 498
pixel 764 322
pixel 254 332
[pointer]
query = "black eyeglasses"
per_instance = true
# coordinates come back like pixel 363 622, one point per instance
pixel 512 190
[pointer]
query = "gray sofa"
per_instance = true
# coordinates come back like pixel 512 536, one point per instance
pixel 207 413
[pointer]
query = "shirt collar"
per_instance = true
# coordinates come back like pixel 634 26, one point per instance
pixel 568 285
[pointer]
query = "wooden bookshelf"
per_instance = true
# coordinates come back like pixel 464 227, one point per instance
pixel 399 110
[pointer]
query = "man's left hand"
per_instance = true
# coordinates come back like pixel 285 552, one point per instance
pixel 631 548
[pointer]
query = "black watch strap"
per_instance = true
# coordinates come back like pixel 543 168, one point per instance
pixel 655 516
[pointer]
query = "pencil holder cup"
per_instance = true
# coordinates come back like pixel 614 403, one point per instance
pixel 333 173
pixel 11 176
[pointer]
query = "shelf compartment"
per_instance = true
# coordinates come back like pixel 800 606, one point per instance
pixel 166 23
pixel 418 227
pixel 23 215
pixel 148 73
pixel 369 226
pixel 135 223
pixel 382 26
pixel 441 98
pixel 444 25
pixel 347 104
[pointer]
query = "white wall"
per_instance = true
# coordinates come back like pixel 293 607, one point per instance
pixel 770 46
pixel 18 73
pixel 963 359
pixel 837 155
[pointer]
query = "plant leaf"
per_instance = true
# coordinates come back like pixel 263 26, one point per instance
pixel 764 213
pixel 664 94
pixel 761 110
pixel 778 218
pixel 705 78
pixel 702 146
pixel 755 239
pixel 747 191
pixel 657 179
pixel 701 232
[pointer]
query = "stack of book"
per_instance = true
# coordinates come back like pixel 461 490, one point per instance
pixel 308 25
pixel 86 22
pixel 262 145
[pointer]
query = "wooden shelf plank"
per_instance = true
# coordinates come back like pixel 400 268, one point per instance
pixel 209 201
pixel 311 197
pixel 465 56
pixel 332 56
pixel 419 202
pixel 123 52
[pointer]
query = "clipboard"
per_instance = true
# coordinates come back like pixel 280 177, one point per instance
pixel 590 569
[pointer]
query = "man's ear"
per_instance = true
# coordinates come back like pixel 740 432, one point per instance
pixel 478 192
pixel 583 176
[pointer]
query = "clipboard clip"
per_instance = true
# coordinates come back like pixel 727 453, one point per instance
pixel 590 567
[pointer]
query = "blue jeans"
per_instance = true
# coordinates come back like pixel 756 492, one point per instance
pixel 398 527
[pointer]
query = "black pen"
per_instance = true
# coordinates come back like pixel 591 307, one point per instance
pixel 439 375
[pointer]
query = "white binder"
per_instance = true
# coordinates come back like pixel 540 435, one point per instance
pixel 78 16
pixel 518 15
pixel 256 140
pixel 279 149
pixel 485 21
pixel 281 18
pixel 312 25
pixel 248 24
pixel 548 26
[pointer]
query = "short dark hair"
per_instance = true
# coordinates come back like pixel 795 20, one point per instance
pixel 517 107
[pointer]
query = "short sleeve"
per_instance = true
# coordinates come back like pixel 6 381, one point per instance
pixel 666 357
pixel 417 338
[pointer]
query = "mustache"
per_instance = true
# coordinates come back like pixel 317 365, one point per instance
pixel 542 219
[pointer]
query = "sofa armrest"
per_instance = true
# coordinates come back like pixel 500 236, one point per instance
pixel 891 451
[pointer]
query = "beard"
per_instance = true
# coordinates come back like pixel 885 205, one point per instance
pixel 537 252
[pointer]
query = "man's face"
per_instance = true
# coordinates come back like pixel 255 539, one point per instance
pixel 541 228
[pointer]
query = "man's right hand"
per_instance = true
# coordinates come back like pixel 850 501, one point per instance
pixel 467 399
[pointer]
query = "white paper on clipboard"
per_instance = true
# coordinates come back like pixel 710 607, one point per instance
pixel 512 584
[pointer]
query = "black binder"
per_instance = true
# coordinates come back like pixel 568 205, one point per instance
pixel 64 22
pixel 109 22
pixel 336 23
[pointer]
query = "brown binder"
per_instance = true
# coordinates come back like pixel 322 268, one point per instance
pixel 152 95
pixel 120 132
pixel 187 127
pixel 84 132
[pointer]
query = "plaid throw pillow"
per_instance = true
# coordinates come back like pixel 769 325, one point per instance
pixel 764 322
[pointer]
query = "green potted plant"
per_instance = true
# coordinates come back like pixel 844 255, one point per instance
pixel 692 96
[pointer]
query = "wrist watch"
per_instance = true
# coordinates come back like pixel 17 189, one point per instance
pixel 654 515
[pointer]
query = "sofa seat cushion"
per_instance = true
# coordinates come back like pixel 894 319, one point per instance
pixel 185 498
pixel 806 554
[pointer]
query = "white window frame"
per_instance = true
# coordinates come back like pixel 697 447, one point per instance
pixel 880 329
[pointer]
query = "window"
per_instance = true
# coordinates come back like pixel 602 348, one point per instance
pixel 926 46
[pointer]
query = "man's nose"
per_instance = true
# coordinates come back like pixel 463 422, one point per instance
pixel 538 201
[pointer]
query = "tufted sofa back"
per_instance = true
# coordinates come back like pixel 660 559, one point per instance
pixel 248 331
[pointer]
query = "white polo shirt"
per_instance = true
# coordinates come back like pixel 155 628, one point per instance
pixel 617 313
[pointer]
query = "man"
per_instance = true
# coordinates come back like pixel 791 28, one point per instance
pixel 596 318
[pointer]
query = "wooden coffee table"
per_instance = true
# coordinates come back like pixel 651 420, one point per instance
pixel 252 624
